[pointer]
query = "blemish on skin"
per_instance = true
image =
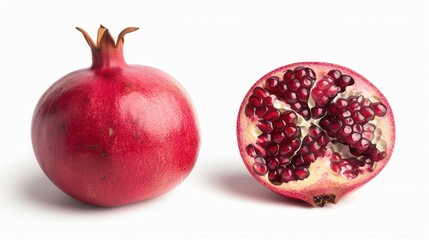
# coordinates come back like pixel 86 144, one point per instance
pixel 103 178
pixel 104 155
pixel 128 87
pixel 63 126
pixel 111 132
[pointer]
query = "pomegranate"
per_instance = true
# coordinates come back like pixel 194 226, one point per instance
pixel 114 133
pixel 315 131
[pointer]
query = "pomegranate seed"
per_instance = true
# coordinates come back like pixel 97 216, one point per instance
pixel 362 145
pixel 317 94
pixel 297 161
pixel 261 111
pixel 282 87
pixel 279 124
pixel 272 149
pixel 345 131
pixel 380 156
pixel 323 140
pixel 332 91
pixel 259 159
pixel 317 112
pixel 323 101
pixel 336 126
pixel 336 167
pixel 260 169
pixel 353 107
pixel 265 127
pixel 357 128
pixel 255 101
pixel 295 144
pixel 335 74
pixel 320 153
pixel 353 138
pixel 305 112
pixel 308 158
pixel 285 150
pixel 304 150
pixel 314 146
pixel 358 117
pixel 271 114
pixel 278 137
pixel 324 84
pixel 302 173
pixel 352 173
pixel 291 97
pixel 263 139
pixel 368 113
pixel 369 127
pixel 290 131
pixel 289 75
pixel 341 103
pixel 325 123
pixel 344 82
pixel 366 102
pixel 303 94
pixel 289 117
pixel 296 106
pixel 271 82
pixel 356 162
pixel 260 92
pixel 348 121
pixel 268 101
pixel 249 110
pixel 306 83
pixel 287 175
pixel 379 109
pixel 300 72
pixel 284 160
pixel 273 177
pixel 273 164
pixel 343 113
pixel 368 135
pixel 336 157
pixel 311 74
pixel 294 85
pixel 251 150
pixel 307 140
pixel 314 131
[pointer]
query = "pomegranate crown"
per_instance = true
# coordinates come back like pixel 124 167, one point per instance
pixel 103 36
pixel 105 52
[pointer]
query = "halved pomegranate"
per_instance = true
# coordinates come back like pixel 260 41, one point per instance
pixel 315 131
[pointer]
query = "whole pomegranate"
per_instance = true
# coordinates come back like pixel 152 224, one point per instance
pixel 114 133
pixel 315 131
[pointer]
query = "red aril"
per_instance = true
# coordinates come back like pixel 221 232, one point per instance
pixel 114 133
pixel 315 131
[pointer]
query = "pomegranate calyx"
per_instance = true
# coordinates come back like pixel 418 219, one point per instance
pixel 321 200
pixel 105 52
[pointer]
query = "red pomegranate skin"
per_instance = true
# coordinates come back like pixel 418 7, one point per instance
pixel 114 133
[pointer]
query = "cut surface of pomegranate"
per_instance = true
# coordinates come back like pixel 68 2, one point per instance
pixel 315 131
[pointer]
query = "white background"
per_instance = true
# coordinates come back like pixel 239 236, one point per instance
pixel 217 50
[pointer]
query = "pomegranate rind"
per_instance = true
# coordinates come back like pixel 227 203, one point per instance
pixel 322 181
pixel 114 133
